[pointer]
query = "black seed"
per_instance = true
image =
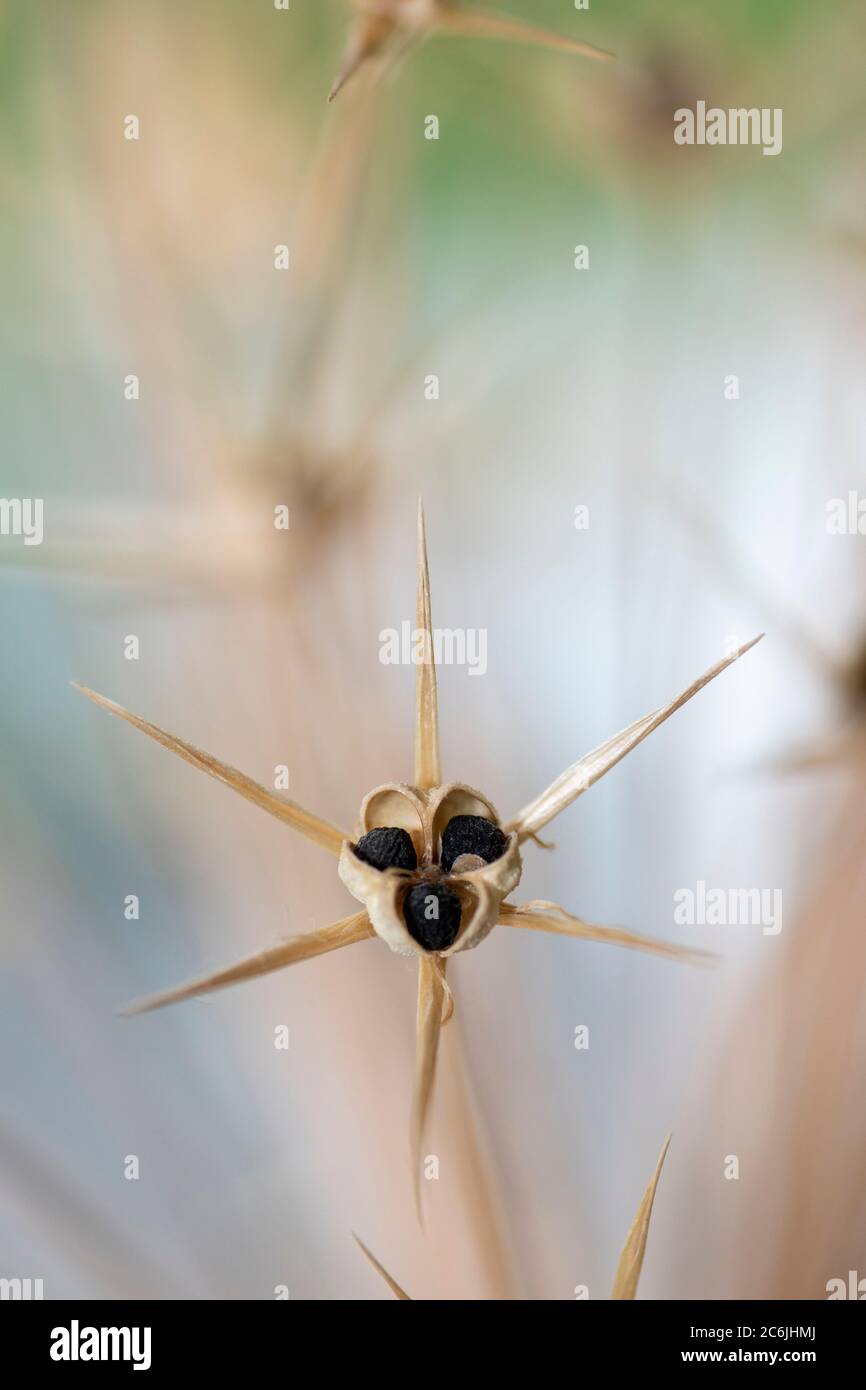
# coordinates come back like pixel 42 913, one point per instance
pixel 387 848
pixel 432 913
pixel 471 835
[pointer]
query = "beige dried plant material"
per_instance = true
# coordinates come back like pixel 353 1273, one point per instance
pixel 631 1260
pixel 587 770
pixel 367 37
pixel 432 864
pixel 628 1270
pixel 481 887
pixel 316 943
pixel 381 1270
pixel 548 917
pixel 428 770
pixel 381 24
pixel 431 1011
pixel 473 23
pixel 313 827
pixel 279 451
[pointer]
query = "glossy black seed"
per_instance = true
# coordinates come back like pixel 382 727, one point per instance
pixel 432 913
pixel 471 835
pixel 387 847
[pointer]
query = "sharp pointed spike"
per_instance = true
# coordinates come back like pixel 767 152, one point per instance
pixel 549 917
pixel 631 1260
pixel 289 812
pixel 589 769
pixel 381 1270
pixel 428 771
pixel 367 37
pixel 332 938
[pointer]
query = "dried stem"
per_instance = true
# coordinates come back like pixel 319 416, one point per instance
pixel 431 1000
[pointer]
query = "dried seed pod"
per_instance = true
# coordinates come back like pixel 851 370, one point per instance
pixel 473 836
pixel 387 847
pixel 432 913
pixel 417 819
pixel 424 814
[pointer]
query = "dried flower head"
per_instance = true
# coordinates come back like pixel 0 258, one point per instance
pixel 628 1270
pixel 394 24
pixel 431 862
pixel 271 485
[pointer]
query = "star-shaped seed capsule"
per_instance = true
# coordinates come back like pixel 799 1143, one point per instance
pixel 383 25
pixel 431 862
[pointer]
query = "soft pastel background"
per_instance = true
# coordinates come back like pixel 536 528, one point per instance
pixel 707 522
